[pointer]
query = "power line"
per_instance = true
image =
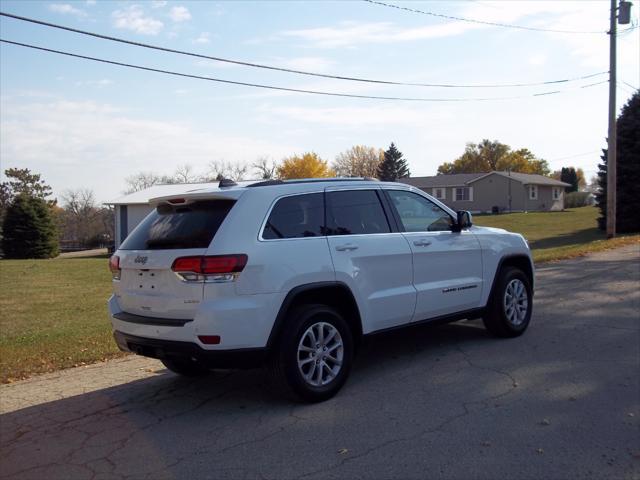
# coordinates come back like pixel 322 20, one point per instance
pixel 625 89
pixel 629 85
pixel 470 20
pixel 574 156
pixel 273 87
pixel 288 70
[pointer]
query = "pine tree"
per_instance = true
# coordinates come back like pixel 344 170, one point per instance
pixel 29 229
pixel 601 194
pixel 628 171
pixel 393 166
pixel 569 175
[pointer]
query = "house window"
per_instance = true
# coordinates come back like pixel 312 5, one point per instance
pixel 463 194
pixel 440 193
pixel 533 192
pixel 556 193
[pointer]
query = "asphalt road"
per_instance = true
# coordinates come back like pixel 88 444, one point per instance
pixel 562 401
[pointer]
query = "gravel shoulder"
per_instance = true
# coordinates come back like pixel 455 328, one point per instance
pixel 562 401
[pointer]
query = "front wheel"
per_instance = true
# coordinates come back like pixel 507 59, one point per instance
pixel 313 358
pixel 510 306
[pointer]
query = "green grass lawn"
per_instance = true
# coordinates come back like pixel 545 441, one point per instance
pixel 54 315
pixel 54 312
pixel 557 235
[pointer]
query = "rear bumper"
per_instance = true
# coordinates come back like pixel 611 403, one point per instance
pixel 156 348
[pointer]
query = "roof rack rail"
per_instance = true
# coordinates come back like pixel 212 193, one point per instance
pixel 267 183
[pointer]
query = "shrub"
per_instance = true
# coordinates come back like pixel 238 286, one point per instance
pixel 576 199
pixel 29 230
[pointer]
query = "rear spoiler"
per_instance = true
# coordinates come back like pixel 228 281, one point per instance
pixel 195 195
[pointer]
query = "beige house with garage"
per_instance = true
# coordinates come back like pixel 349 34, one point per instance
pixel 494 191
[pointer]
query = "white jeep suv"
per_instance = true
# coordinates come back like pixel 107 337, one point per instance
pixel 292 274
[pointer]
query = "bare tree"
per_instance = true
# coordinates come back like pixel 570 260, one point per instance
pixel 358 161
pixel 185 174
pixel 265 167
pixel 83 220
pixel 219 169
pixel 142 180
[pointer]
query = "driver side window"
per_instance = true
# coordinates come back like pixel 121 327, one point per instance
pixel 418 214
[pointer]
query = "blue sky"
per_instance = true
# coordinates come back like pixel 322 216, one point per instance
pixel 88 125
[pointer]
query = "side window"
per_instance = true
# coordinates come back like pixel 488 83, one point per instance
pixel 295 217
pixel 418 214
pixel 354 212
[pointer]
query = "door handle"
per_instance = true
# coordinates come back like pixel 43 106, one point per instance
pixel 346 247
pixel 422 243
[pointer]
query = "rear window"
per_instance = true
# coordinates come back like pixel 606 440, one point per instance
pixel 295 217
pixel 179 226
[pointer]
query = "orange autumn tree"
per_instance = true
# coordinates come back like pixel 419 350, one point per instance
pixel 307 165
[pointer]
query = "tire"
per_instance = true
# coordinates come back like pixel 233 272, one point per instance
pixel 295 361
pixel 507 316
pixel 184 366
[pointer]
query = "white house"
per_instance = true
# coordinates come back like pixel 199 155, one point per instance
pixel 131 209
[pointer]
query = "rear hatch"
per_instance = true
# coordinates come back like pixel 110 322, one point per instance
pixel 148 286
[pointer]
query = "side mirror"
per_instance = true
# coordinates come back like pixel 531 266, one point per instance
pixel 464 220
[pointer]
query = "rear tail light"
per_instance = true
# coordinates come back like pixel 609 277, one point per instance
pixel 114 266
pixel 209 339
pixel 211 268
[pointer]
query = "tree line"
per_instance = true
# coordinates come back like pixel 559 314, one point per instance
pixel 33 224
pixel 358 161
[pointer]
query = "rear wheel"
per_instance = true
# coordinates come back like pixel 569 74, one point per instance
pixel 313 358
pixel 510 307
pixel 185 366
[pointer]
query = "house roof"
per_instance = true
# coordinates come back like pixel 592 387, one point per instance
pixel 463 179
pixel 453 180
pixel 142 197
pixel 531 178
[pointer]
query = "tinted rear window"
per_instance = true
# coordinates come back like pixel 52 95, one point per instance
pixel 296 216
pixel 354 212
pixel 179 226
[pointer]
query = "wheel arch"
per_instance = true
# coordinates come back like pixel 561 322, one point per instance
pixel 333 294
pixel 520 261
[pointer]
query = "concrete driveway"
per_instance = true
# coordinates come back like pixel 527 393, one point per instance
pixel 563 401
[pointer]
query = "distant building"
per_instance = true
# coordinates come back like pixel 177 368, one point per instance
pixel 487 192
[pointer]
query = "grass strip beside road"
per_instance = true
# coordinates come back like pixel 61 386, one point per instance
pixel 54 312
pixel 54 315
pixel 558 235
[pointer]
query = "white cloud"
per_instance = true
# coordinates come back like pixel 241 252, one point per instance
pixel 90 2
pixel 104 82
pixel 179 14
pixel 66 9
pixel 203 38
pixel 315 64
pixel 215 65
pixel 347 34
pixel 537 59
pixel 158 3
pixel 133 18
pixel 375 116
pixel 97 146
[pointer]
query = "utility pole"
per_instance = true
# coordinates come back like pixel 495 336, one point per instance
pixel 611 148
pixel 624 18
